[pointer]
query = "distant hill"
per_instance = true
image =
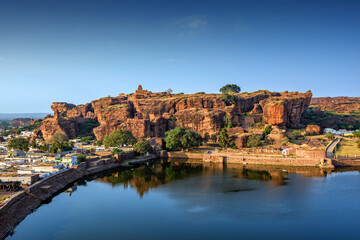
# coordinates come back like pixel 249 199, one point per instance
pixel 10 116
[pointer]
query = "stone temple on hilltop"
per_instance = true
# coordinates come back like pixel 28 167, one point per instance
pixel 140 93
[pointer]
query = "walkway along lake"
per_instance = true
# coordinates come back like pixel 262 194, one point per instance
pixel 191 200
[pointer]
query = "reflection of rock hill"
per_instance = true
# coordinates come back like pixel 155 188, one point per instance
pixel 145 178
pixel 149 114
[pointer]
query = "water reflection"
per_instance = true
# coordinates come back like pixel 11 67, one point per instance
pixel 163 172
pixel 194 200
pixel 146 177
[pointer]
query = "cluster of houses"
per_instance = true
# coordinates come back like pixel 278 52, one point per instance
pixel 19 168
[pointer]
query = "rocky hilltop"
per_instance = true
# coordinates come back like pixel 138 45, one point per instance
pixel 148 114
pixel 344 105
pixel 334 112
pixel 22 121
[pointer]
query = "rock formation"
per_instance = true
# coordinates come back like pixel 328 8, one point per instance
pixel 22 121
pixel 313 129
pixel 336 112
pixel 148 114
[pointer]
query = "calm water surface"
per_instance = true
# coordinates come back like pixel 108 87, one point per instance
pixel 180 200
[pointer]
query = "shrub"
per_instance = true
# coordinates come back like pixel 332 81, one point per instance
pixel 81 158
pixel 329 136
pixel 58 137
pixel 284 141
pixel 142 147
pixel 357 133
pixel 253 141
pixel 224 138
pixel 267 131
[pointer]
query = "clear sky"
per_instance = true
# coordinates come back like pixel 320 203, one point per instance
pixel 77 51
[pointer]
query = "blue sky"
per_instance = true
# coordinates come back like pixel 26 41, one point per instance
pixel 78 51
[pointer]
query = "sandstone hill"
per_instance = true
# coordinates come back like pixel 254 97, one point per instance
pixel 148 114
pixel 334 112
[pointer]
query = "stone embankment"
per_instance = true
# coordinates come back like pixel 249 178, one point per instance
pixel 227 157
pixel 27 200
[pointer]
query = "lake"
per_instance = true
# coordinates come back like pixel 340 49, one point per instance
pixel 190 200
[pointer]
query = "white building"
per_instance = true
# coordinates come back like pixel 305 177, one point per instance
pixel 26 133
pixel 69 161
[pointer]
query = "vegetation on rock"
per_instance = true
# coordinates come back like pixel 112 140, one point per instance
pixel 253 141
pixel 230 88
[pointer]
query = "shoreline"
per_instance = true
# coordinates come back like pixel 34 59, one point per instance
pixel 226 157
pixel 30 198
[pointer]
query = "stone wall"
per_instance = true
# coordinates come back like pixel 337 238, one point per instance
pixel 346 162
pixel 166 154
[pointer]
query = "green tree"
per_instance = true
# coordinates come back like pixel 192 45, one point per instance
pixel 228 99
pixel 267 131
pixel 253 141
pixel 61 146
pixel 169 90
pixel 213 137
pixel 142 147
pixel 98 143
pixel 206 137
pixel 190 139
pixel 179 138
pixel 173 138
pixel 329 136
pixel 117 151
pixel 58 137
pixel 230 88
pixel 118 138
pixel 19 144
pixel 81 158
pixel 224 138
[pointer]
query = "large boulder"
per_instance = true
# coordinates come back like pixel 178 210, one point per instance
pixel 313 130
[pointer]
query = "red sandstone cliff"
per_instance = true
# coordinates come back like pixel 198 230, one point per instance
pixel 148 114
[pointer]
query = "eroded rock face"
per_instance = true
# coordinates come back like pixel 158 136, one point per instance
pixel 240 140
pixel 201 120
pixel 61 107
pixel 148 114
pixel 285 110
pixel 50 126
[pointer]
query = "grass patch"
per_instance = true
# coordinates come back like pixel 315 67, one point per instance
pixel 347 148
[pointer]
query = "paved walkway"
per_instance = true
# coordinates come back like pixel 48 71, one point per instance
pixel 330 148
